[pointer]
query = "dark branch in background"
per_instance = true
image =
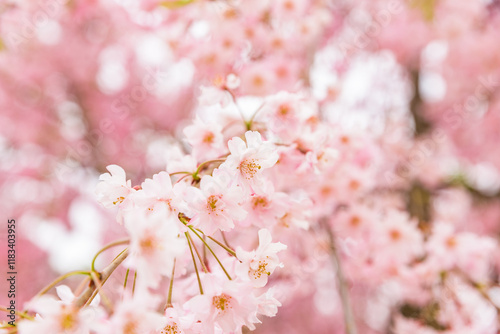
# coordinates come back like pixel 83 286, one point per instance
pixel 460 181
pixel 350 323
pixel 417 106
pixel 427 314
pixel 418 205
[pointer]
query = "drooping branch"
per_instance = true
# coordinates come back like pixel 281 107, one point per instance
pixel 104 275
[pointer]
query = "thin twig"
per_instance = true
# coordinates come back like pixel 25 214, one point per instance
pixel 227 248
pixel 82 299
pixel 350 324
pixel 197 253
pixel 211 251
pixel 19 314
pixel 108 246
pixel 194 262
pixel 170 288
pixel 59 279
pixel 105 299
pixel 133 285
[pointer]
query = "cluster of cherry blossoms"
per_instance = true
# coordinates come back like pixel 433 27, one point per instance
pixel 282 166
pixel 170 218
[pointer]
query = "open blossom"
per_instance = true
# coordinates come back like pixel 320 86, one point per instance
pixel 216 204
pixel 248 160
pixel 114 187
pixel 135 314
pixel 157 193
pixel 268 305
pixel 60 316
pixel 286 114
pixel 398 237
pixel 177 321
pixel 257 265
pixel 264 210
pixel 226 305
pixel 205 138
pixel 154 244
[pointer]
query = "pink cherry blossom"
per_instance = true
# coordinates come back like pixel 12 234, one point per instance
pixel 206 139
pixel 158 193
pixel 257 265
pixel 248 161
pixel 227 306
pixel 134 315
pixel 61 315
pixel 113 188
pixel 154 244
pixel 217 204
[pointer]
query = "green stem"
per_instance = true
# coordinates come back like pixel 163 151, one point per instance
pixel 195 174
pixel 189 173
pixel 229 250
pixel 170 288
pixel 21 315
pixel 175 4
pixel 250 122
pixel 59 279
pixel 133 285
pixel 126 279
pixel 211 251
pixel 108 246
pixel 197 253
pixel 247 123
pixel 194 262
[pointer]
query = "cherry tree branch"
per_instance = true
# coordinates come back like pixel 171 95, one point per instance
pixel 104 275
pixel 350 323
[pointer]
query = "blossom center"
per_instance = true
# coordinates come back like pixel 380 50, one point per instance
pixel 67 319
pixel 355 221
pixel 249 168
pixel 209 138
pixel 261 270
pixel 212 203
pixel 283 110
pixel 148 244
pixel 285 220
pixel 170 329
pixel 222 302
pixel 259 201
pixel 395 235
pixel 119 200
pixel 130 327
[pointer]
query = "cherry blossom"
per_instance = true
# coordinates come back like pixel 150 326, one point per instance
pixel 228 306
pixel 206 139
pixel 158 193
pixel 260 263
pixel 113 188
pixel 216 204
pixel 154 244
pixel 61 315
pixel 248 161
